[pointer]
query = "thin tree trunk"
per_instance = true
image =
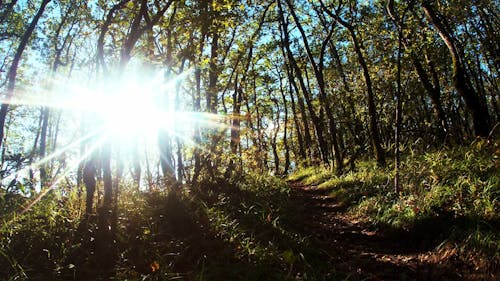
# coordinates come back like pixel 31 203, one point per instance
pixel 370 97
pixel 300 140
pixel 235 140
pixel 12 73
pixel 307 143
pixel 433 90
pixel 461 81
pixel 34 149
pixel 197 99
pixel 396 20
pixel 285 128
pixel 180 163
pixel 318 73
pixel 274 144
pixel 43 144
pixel 318 124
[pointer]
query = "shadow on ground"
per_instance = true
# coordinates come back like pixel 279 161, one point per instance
pixel 264 234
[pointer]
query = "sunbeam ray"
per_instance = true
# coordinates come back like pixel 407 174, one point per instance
pixel 68 170
pixel 58 152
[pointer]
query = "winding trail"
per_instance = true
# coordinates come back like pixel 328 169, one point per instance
pixel 359 251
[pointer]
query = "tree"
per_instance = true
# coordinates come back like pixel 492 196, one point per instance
pixel 370 98
pixel 460 77
pixel 12 72
pixel 316 120
pixel 61 42
pixel 318 73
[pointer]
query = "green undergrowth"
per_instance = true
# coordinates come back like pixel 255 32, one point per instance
pixel 35 244
pixel 449 197
pixel 228 231
pixel 253 228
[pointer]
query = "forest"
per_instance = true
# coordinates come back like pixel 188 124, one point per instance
pixel 249 140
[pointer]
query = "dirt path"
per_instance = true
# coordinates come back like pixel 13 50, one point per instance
pixel 358 250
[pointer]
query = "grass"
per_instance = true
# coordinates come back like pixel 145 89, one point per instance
pixel 450 198
pixel 241 231
pixel 247 230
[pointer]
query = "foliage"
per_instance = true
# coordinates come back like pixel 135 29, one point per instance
pixel 36 244
pixel 199 102
pixel 450 196
pixel 244 232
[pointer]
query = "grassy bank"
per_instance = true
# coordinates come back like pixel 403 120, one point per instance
pixel 449 201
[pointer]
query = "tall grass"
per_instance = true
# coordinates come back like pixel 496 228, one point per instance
pixel 451 195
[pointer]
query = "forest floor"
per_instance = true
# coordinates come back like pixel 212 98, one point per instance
pixel 312 226
pixel 360 251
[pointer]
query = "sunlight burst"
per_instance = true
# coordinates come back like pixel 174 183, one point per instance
pixel 128 112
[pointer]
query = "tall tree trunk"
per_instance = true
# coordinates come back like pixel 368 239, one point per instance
pixel 235 140
pixel 197 133
pixel 370 97
pixel 274 137
pixel 164 138
pixel 89 179
pixel 34 150
pixel 434 93
pixel 302 152
pixel 12 73
pixel 105 153
pixel 46 112
pixel 433 90
pixel 197 96
pixel 356 128
pixel 211 100
pixel 307 142
pixel 461 81
pixel 213 75
pixel 396 20
pixel 180 162
pixel 43 145
pixel 318 74
pixel 372 111
pixel 317 122
pixel 285 128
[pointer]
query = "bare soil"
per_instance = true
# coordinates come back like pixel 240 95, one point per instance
pixel 360 251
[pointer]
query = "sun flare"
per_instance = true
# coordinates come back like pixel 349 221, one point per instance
pixel 128 108
pixel 128 112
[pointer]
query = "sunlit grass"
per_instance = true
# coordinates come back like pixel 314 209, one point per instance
pixel 250 224
pixel 311 175
pixel 452 191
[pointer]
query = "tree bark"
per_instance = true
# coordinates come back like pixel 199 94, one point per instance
pixel 370 97
pixel 285 129
pixel 397 130
pixel 12 73
pixel 318 73
pixel 89 179
pixel 461 81
pixel 318 124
